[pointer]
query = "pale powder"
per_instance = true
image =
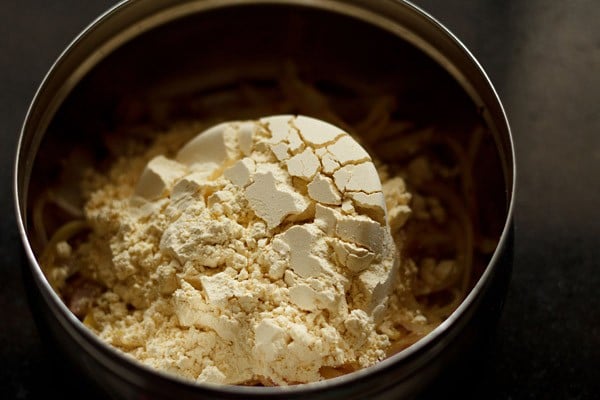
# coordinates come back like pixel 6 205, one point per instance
pixel 263 251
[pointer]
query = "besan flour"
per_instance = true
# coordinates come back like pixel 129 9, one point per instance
pixel 263 252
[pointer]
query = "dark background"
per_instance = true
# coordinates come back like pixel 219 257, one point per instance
pixel 543 57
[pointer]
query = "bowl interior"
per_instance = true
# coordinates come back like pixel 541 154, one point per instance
pixel 255 60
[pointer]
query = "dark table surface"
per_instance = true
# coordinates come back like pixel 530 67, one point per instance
pixel 543 57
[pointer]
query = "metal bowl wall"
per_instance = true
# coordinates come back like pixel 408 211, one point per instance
pixel 138 49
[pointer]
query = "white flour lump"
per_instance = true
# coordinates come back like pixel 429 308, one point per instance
pixel 261 253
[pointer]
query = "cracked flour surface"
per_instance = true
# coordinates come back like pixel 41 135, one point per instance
pixel 261 253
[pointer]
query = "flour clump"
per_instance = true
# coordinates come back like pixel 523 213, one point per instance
pixel 260 253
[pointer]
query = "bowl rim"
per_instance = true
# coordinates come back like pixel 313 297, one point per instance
pixel 92 343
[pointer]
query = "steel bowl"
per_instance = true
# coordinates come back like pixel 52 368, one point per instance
pixel 174 48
